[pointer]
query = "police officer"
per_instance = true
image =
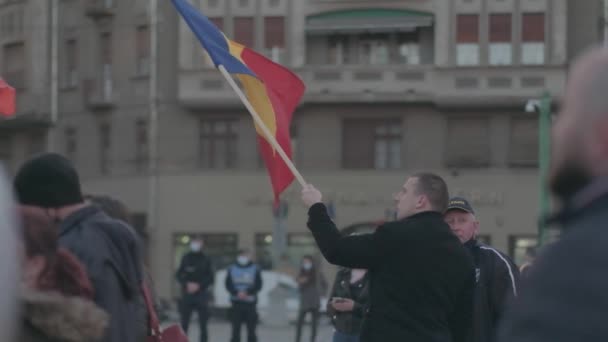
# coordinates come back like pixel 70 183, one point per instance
pixel 496 276
pixel 243 282
pixel 195 274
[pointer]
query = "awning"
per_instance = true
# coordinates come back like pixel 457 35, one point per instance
pixel 367 20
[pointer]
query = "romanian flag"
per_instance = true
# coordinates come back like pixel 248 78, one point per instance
pixel 273 90
pixel 7 99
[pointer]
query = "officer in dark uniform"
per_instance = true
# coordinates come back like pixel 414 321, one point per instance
pixel 195 274
pixel 496 276
pixel 243 282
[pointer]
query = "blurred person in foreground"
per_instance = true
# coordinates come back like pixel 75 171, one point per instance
pixel 195 275
pixel 496 275
pixel 348 303
pixel 244 282
pixel 50 184
pixel 421 276
pixel 10 268
pixel 312 285
pixel 565 298
pixel 57 295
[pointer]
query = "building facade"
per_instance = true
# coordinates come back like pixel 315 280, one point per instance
pixel 393 87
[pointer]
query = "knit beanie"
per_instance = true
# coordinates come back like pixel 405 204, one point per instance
pixel 48 180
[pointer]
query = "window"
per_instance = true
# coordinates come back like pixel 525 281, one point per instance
pixel 467 39
pixel 500 39
pixel 36 142
pixel 244 31
pixel 374 49
pixel 106 65
pixel 409 49
pixel 6 148
pixel 219 22
pixel 104 148
pixel 143 50
pixel 299 245
pixel 468 143
pixel 263 250
pixel 14 65
pixel 533 39
pixel 274 37
pixel 70 143
pixel 338 47
pixel 141 145
pixel 71 70
pixel 519 245
pixel 221 248
pixel 371 144
pixel 523 151
pixel 218 139
pixel 486 239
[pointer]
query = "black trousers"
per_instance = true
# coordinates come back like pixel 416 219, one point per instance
pixel 189 304
pixel 315 321
pixel 243 313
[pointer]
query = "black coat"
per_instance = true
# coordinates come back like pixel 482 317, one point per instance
pixel 496 282
pixel 111 256
pixel 349 323
pixel 565 297
pixel 421 276
pixel 195 267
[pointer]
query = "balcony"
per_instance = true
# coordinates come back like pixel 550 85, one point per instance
pixel 99 95
pixel 471 86
pixel 99 9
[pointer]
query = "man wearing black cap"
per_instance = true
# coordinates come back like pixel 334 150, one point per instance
pixel 496 276
pixel 109 251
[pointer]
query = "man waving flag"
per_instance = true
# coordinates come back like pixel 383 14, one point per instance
pixel 7 99
pixel 272 91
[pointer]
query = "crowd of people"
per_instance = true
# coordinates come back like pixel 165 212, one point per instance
pixel 421 277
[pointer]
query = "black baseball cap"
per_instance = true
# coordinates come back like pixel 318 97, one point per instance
pixel 459 203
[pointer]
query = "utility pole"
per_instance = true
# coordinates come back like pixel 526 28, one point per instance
pixel 153 119
pixel 50 137
pixel 605 23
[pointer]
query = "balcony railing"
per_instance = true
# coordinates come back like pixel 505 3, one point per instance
pixel 393 83
pixel 98 93
pixel 97 9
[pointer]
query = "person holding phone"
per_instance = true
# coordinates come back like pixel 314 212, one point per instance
pixel 348 303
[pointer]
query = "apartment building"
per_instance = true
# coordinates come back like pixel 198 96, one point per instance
pixel 392 87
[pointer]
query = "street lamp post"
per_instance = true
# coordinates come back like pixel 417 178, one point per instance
pixel 543 106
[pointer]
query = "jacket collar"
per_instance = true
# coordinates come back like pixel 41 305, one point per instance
pixel 76 217
pixel 585 199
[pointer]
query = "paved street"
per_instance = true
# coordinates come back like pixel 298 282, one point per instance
pixel 220 332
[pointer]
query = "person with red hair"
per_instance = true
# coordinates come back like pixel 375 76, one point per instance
pixel 57 295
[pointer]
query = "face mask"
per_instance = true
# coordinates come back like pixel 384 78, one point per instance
pixel 196 246
pixel 242 260
pixel 307 266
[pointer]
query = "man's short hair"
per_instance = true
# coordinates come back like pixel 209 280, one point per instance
pixel 435 189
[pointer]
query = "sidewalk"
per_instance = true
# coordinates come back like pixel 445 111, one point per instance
pixel 219 331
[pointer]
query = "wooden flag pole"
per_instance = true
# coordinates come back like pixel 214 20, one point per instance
pixel 260 123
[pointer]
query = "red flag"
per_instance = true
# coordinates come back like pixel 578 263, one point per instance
pixel 7 99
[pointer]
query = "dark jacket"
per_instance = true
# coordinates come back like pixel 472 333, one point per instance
pixel 421 276
pixel 496 282
pixel 312 289
pixel 195 267
pixel 246 278
pixel 565 298
pixel 52 317
pixel 111 256
pixel 349 323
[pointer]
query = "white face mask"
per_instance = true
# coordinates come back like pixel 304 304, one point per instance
pixel 196 246
pixel 307 266
pixel 242 260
